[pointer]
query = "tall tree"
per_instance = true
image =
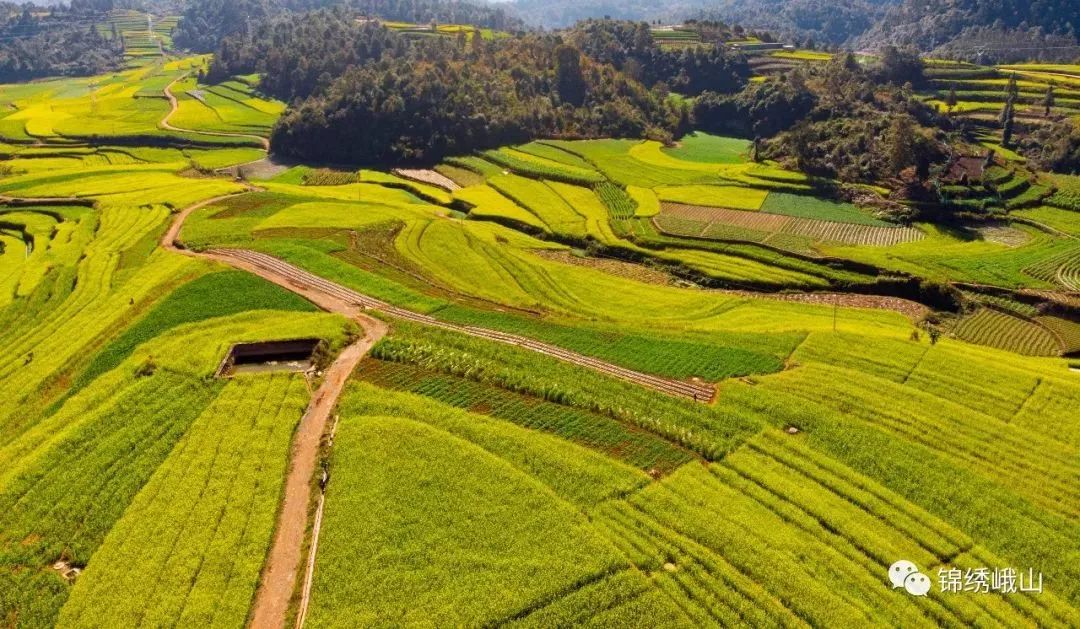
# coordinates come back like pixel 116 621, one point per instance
pixel 1007 123
pixel 570 81
pixel 950 100
pixel 900 143
pixel 1048 100
pixel 1012 90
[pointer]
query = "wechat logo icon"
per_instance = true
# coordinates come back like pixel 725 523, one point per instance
pixel 904 574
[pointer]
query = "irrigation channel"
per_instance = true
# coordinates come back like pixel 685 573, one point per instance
pixel 279 577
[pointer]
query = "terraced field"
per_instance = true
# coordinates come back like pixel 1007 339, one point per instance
pixel 997 329
pixel 790 506
pixel 761 225
pixel 980 91
pixel 1063 269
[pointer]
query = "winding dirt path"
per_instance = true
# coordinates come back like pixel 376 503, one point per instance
pixel 351 303
pixel 285 561
pixel 282 569
pixel 174 104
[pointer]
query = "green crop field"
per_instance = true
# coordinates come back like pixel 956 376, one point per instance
pixel 521 446
pixel 989 327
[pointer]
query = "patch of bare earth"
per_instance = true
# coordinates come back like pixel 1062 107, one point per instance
pixel 265 168
pixel 1004 235
pixel 619 268
pixel 429 177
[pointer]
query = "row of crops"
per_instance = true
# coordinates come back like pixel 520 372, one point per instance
pixel 791 516
pixel 813 509
pixel 189 549
pixel 723 223
pixel 1008 332
pixel 1063 269
pixel 591 430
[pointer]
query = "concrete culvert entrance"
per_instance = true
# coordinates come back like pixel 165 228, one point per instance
pixel 295 355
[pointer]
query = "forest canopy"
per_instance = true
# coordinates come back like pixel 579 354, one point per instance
pixel 63 42
pixel 363 93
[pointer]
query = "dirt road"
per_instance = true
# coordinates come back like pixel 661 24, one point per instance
pixel 174 104
pixel 283 565
pixel 280 573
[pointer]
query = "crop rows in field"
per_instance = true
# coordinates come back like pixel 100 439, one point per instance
pixel 537 167
pixel 671 33
pixel 555 154
pixel 618 202
pixel 696 391
pixel 1063 269
pixel 477 165
pixel 971 393
pixel 706 221
pixel 1003 331
pixel 190 548
pixel 761 221
pixel 463 177
pixel 61 502
pixel 790 514
pixel 1067 332
pixel 719 356
pixel 847 233
pixel 494 542
pixel 631 445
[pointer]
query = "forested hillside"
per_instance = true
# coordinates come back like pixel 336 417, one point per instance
pixel 206 22
pixel 824 21
pixel 982 30
pixel 817 22
pixel 977 30
pixel 374 95
pixel 439 99
pixel 61 42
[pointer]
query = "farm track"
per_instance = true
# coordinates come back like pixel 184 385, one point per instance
pixel 281 571
pixel 337 298
pixel 279 577
pixel 174 105
pixel 271 266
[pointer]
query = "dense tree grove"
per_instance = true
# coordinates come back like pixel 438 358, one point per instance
pixel 205 23
pixel 839 120
pixel 992 31
pixel 62 42
pixel 1054 147
pixel 365 94
pixel 762 109
pixel 444 98
pixel 301 54
pixel 629 47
